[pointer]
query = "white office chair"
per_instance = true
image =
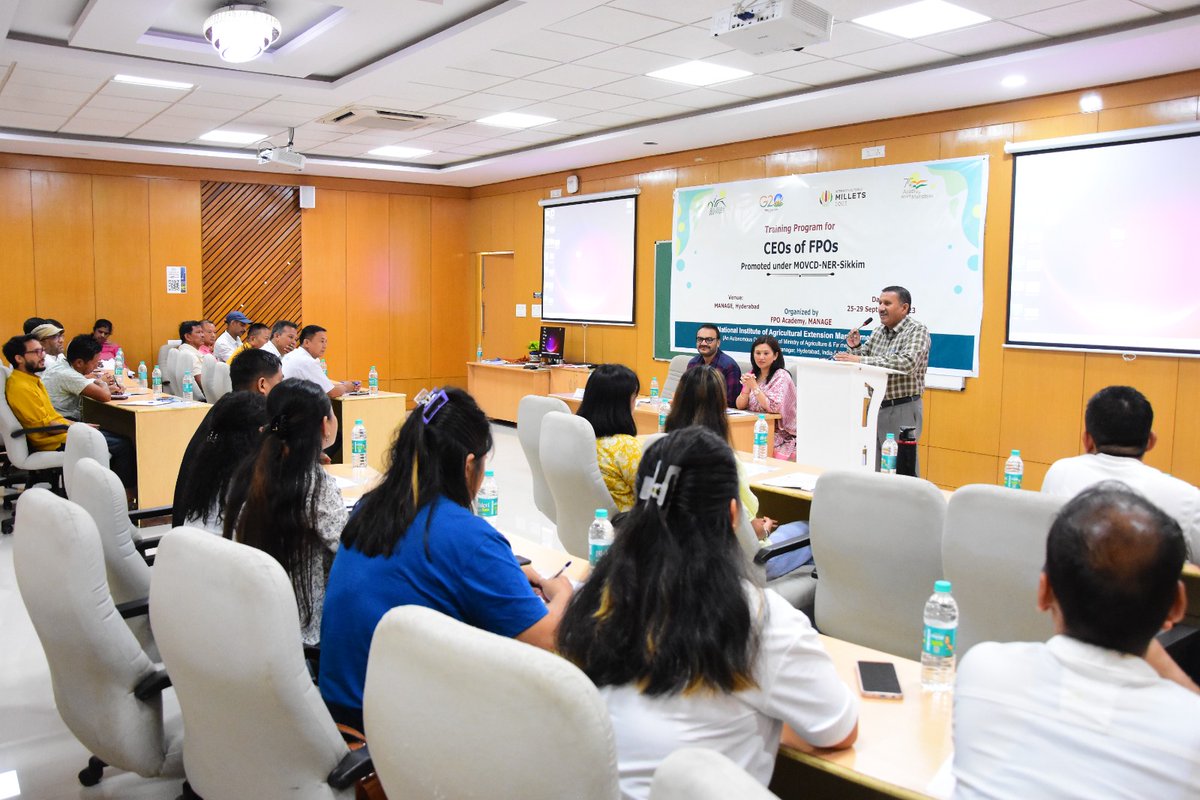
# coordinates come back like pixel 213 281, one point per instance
pixel 83 441
pixel 993 549
pixel 877 541
pixel 568 452
pixel 225 620
pixel 208 368
pixel 171 375
pixel 696 773
pixel 207 360
pixel 162 362
pixel 218 383
pixel 98 491
pixel 530 412
pixel 675 371
pixel 437 688
pixel 41 465
pixel 106 688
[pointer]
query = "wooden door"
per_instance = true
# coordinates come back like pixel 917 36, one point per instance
pixel 498 300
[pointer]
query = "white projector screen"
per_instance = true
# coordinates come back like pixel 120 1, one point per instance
pixel 588 260
pixel 1104 249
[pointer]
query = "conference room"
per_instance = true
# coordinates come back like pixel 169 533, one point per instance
pixel 427 260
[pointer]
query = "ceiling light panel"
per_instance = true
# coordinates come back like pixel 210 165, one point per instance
pixel 921 19
pixel 699 73
pixel 232 137
pixel 154 83
pixel 512 119
pixel 396 151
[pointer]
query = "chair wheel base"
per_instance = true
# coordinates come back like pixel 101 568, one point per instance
pixel 93 772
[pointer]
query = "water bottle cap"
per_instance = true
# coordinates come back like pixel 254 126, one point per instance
pixel 891 436
pixel 487 473
pixel 1016 453
pixel 358 422
pixel 601 513
pixel 372 366
pixel 762 416
pixel 941 587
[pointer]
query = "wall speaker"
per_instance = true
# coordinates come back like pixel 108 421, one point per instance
pixel 308 197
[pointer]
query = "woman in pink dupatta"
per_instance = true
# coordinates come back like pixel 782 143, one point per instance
pixel 768 389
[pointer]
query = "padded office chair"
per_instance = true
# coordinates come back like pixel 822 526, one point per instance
pixel 993 549
pixel 218 383
pixel 675 371
pixel 226 623
pixel 38 465
pixel 171 375
pixel 696 773
pixel 530 412
pixel 437 688
pixel 107 689
pixel 568 453
pixel 83 441
pixel 162 362
pixel 877 541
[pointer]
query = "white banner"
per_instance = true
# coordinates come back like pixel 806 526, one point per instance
pixel 803 257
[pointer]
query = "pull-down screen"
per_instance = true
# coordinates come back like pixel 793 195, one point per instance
pixel 587 261
pixel 1105 251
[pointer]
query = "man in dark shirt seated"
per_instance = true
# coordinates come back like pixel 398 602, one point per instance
pixel 708 343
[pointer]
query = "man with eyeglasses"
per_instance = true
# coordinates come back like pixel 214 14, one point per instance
pixel 708 344
pixel 27 395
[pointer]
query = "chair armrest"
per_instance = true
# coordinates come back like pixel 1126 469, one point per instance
pixel 43 429
pixel 134 608
pixel 765 554
pixel 149 513
pixel 152 685
pixel 354 766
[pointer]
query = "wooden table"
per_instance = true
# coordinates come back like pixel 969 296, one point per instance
pixel 160 435
pixel 498 388
pixel 645 416
pixel 901 743
pixel 382 415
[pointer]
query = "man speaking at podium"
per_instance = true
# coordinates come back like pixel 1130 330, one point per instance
pixel 901 344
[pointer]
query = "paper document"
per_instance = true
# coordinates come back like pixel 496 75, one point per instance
pixel 753 469
pixel 158 401
pixel 794 480
pixel 344 483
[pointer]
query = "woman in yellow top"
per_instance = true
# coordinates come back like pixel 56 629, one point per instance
pixel 608 402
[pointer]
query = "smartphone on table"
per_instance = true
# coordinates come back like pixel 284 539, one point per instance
pixel 878 679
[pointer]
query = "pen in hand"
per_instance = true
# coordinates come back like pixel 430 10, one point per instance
pixel 561 571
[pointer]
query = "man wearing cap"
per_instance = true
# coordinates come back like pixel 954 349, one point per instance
pixel 50 334
pixel 235 325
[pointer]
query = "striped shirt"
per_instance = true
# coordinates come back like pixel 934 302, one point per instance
pixel 904 348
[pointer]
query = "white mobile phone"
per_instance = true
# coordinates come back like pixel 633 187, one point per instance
pixel 878 679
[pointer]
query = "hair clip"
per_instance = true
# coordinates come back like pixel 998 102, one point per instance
pixel 433 404
pixel 279 425
pixel 213 436
pixel 657 490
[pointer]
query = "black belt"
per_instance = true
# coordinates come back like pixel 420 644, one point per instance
pixel 899 401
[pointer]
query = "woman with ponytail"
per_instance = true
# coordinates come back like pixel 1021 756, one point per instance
pixel 413 540
pixel 284 504
pixel 686 647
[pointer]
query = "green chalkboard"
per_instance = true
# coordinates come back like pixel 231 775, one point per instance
pixel 662 304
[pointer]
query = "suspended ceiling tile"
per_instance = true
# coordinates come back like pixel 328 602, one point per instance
pixel 823 72
pixel 234 102
pixel 981 38
pixel 850 38
pixel 608 119
pixel 531 90
pixel 761 65
pixel 559 47
pixel 644 88
pixel 555 110
pixel 25 119
pixel 896 56
pixel 412 96
pixel 461 79
pixel 341 149
pixel 578 76
pixel 758 86
pixel 1081 16
pixel 216 116
pixel 683 11
pixel 27 92
pixel 128 104
pixel 569 128
pixel 480 101
pixel 597 101
pixel 653 109
pixel 47 107
pixel 538 136
pixel 631 60
pixel 688 43
pixel 305 111
pixel 53 80
pixel 114 89
pixel 98 127
pixel 613 25
pixel 703 98
pixel 1169 5
pixel 510 65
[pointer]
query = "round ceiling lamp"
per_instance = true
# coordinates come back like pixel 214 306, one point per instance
pixel 241 33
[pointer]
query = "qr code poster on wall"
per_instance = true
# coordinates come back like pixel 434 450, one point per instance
pixel 176 280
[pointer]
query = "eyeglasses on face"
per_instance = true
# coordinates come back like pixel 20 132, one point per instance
pixel 705 339
pixel 37 352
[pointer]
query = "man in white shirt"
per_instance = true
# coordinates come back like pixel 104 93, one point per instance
pixel 305 362
pixel 1117 434
pixel 50 334
pixel 235 325
pixel 191 337
pixel 68 382
pixel 283 338
pixel 1100 710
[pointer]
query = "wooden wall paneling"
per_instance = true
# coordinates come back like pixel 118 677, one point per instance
pixel 175 242
pixel 621 182
pixel 847 156
pixel 323 296
pixel 453 298
pixel 1164 112
pixel 699 173
pixel 742 169
pixel 656 207
pixel 409 256
pixel 1184 463
pixel 368 285
pixel 501 338
pixel 953 468
pixel 1076 124
pixel 1156 378
pixel 1040 413
pixel 902 150
pixel 527 264
pixel 251 251
pixel 122 245
pixel 18 299
pixel 503 234
pixel 63 254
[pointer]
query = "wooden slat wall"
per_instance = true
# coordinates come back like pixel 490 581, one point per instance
pixel 251 251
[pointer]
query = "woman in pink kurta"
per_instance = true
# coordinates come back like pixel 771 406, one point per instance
pixel 768 389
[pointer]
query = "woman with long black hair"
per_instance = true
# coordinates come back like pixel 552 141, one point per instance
pixel 608 401
pixel 413 540
pixel 284 504
pixel 686 647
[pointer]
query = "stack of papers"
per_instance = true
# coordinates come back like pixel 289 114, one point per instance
pixel 802 481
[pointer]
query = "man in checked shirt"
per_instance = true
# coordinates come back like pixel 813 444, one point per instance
pixel 901 344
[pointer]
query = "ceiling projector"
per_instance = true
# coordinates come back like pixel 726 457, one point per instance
pixel 281 155
pixel 772 26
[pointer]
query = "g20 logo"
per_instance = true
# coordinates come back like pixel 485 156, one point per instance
pixel 769 202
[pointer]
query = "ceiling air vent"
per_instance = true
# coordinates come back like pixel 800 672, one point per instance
pixel 370 117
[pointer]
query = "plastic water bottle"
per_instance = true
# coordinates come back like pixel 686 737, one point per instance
pixel 887 456
pixel 487 502
pixel 324 368
pixel 358 450
pixel 187 384
pixel 664 411
pixel 373 381
pixel 156 380
pixel 654 392
pixel 119 367
pixel 142 374
pixel 760 440
pixel 600 536
pixel 938 651
pixel 479 353
pixel 1014 471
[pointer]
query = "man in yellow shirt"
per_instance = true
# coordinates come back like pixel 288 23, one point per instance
pixel 257 336
pixel 27 396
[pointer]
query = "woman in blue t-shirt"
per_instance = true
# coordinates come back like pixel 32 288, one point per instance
pixel 413 540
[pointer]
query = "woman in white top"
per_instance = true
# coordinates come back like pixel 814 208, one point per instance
pixel 686 648
pixel 284 504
